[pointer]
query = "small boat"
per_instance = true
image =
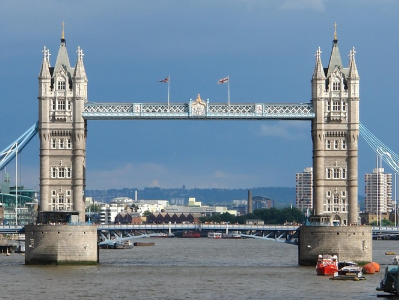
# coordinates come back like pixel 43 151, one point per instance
pixel 214 235
pixel 232 235
pixel 191 234
pixel 162 235
pixel 136 244
pixel 349 269
pixel 326 264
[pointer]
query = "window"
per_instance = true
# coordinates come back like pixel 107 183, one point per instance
pixel 344 173
pixel 336 86
pixel 328 105
pixel 336 173
pixel 68 172
pixel 53 172
pixel 53 143
pixel 61 143
pixel 336 199
pixel 61 85
pixel 68 143
pixel 328 193
pixel 54 105
pixel 68 105
pixel 343 144
pixel 68 192
pixel 61 172
pixel 335 106
pixel 328 171
pixel 60 198
pixel 53 192
pixel 328 144
pixel 343 106
pixel 336 144
pixel 61 104
pixel 343 194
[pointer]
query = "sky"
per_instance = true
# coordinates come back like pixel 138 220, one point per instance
pixel 266 47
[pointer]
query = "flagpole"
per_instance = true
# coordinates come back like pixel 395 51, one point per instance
pixel 168 89
pixel 228 90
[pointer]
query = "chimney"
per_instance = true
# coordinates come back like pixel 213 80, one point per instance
pixel 250 202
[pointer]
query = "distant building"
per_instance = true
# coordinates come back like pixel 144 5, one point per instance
pixel 26 204
pixel 262 202
pixel 378 189
pixel 304 189
pixel 125 217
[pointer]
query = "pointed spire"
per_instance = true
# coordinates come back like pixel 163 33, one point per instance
pixel 45 69
pixel 80 68
pixel 335 58
pixel 353 73
pixel 318 70
pixel 62 57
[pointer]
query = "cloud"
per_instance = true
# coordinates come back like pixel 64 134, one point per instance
pixel 291 130
pixel 304 4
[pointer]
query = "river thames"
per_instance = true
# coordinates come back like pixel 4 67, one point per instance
pixel 177 268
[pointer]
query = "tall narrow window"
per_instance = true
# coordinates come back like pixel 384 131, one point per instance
pixel 68 143
pixel 61 172
pixel 336 173
pixel 328 173
pixel 344 173
pixel 68 172
pixel 343 106
pixel 68 105
pixel 53 143
pixel 53 172
pixel 343 144
pixel 328 105
pixel 328 144
pixel 336 144
pixel 54 105
pixel 61 143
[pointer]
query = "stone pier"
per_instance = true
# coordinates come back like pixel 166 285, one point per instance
pixel 349 243
pixel 61 244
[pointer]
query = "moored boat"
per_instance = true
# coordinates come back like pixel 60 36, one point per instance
pixel 349 268
pixel 232 235
pixel 191 234
pixel 326 264
pixel 214 235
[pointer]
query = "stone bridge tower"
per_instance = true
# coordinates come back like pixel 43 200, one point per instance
pixel 335 134
pixel 62 133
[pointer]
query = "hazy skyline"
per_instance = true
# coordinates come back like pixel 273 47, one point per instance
pixel 267 48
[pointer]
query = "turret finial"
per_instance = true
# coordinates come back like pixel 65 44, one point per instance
pixel 335 31
pixel 63 30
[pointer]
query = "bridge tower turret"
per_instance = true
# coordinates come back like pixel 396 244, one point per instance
pixel 335 133
pixel 62 133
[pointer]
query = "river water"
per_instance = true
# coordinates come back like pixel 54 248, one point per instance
pixel 177 268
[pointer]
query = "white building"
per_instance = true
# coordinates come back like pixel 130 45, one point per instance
pixel 108 212
pixel 304 189
pixel 378 188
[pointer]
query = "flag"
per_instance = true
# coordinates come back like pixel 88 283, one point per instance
pixel 223 80
pixel 164 80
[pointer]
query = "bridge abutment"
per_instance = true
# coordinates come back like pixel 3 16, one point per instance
pixel 349 243
pixel 61 244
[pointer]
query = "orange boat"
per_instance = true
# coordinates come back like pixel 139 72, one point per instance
pixel 191 234
pixel 327 264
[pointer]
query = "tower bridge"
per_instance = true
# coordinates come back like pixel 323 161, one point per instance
pixel 333 112
pixel 64 111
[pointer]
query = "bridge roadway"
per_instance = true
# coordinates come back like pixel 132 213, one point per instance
pixel 12 229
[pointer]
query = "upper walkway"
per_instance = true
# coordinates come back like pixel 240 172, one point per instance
pixel 12 229
pixel 198 109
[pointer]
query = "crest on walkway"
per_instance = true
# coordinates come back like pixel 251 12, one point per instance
pixel 198 108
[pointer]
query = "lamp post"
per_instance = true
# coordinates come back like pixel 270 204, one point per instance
pixel 16 184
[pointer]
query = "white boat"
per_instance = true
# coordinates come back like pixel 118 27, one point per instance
pixel 214 235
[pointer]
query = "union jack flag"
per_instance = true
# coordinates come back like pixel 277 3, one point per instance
pixel 164 80
pixel 223 80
